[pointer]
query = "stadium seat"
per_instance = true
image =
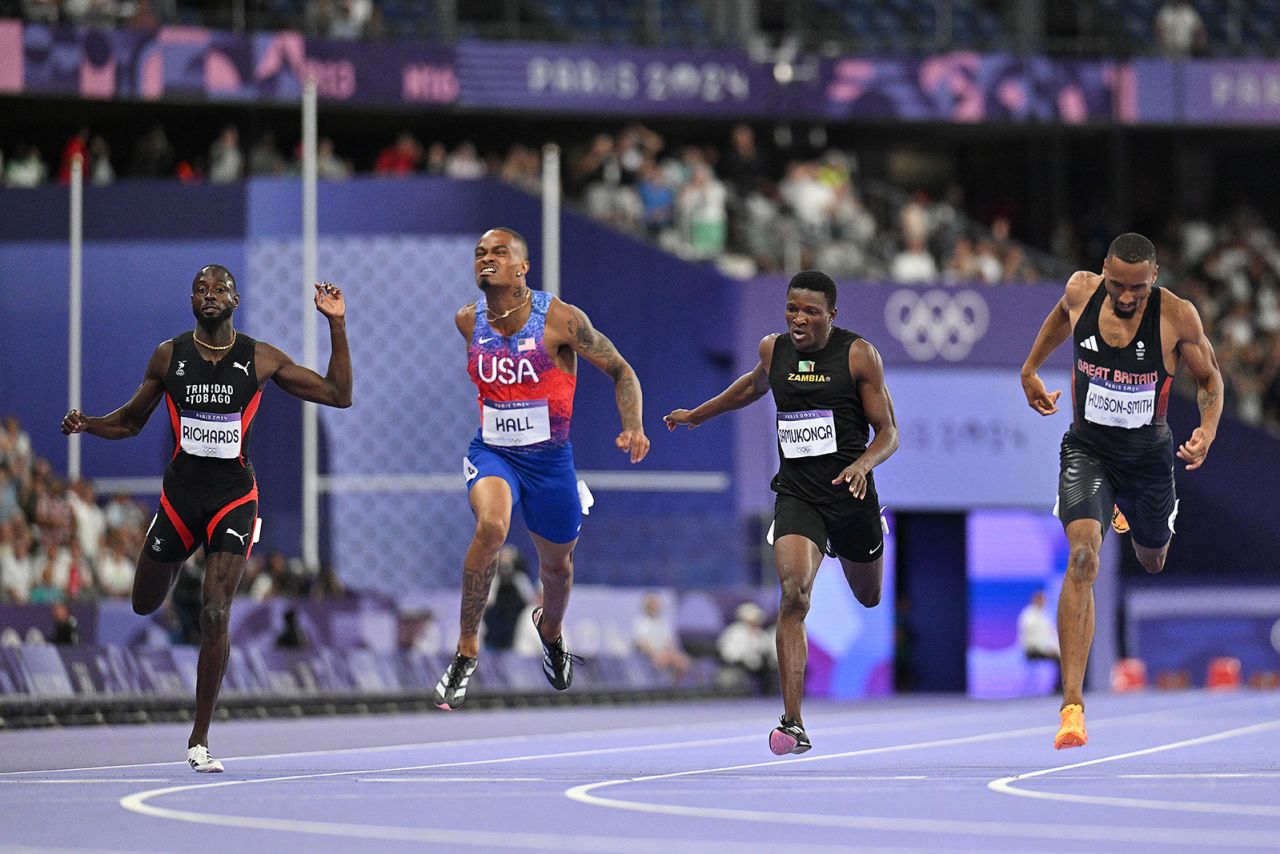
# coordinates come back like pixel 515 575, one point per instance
pixel 1223 674
pixel 1128 674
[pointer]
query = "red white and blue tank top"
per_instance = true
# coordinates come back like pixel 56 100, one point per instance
pixel 526 402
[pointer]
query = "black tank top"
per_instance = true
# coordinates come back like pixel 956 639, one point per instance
pixel 1119 395
pixel 211 406
pixel 821 423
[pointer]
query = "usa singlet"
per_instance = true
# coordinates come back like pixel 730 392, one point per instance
pixel 210 495
pixel 526 402
pixel 822 426
pixel 1119 395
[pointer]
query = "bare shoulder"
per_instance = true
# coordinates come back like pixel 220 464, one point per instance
pixel 1080 287
pixel 160 358
pixel 270 356
pixel 864 359
pixel 1181 313
pixel 465 319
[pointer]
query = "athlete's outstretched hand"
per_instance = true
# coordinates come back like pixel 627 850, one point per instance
pixel 1195 449
pixel 73 422
pixel 329 300
pixel 635 442
pixel 676 417
pixel 856 476
pixel 1038 397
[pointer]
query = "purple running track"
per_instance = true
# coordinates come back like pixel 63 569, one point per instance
pixel 1162 772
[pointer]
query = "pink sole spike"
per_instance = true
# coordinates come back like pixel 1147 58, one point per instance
pixel 781 743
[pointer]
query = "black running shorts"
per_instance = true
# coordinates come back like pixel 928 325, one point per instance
pixel 218 513
pixel 1091 482
pixel 849 529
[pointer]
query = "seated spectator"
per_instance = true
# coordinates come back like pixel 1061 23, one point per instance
pixel 464 163
pixel 402 157
pixel 17 560
pixel 66 631
pixel 510 592
pixel 226 163
pixel 46 590
pixel 153 154
pixel 1180 29
pixel 293 636
pixel 747 647
pixel 1037 634
pixel 25 168
pixel 114 570
pixel 329 166
pixel 327 585
pixel 654 635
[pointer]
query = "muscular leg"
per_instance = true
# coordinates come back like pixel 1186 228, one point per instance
pixel 555 568
pixel 865 579
pixel 796 559
pixel 491 504
pixel 1075 606
pixel 221 578
pixel 152 581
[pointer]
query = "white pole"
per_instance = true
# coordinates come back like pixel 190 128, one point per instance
pixel 75 320
pixel 551 219
pixel 310 416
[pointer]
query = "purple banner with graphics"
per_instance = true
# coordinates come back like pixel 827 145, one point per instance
pixel 625 80
pixel 1207 92
pixel 192 62
pixel 969 87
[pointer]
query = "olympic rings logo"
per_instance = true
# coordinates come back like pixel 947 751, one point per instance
pixel 937 323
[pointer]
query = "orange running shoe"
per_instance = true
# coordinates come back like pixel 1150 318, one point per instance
pixel 1119 524
pixel 1072 732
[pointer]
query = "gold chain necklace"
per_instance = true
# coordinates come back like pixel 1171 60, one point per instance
pixel 493 318
pixel 211 347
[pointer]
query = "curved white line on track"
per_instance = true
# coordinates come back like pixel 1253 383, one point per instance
pixel 1005 785
pixel 1140 835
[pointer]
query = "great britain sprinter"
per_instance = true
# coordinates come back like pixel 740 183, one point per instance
pixel 522 354
pixel 829 388
pixel 211 381
pixel 1117 458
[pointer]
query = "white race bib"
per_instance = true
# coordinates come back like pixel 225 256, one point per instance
pixel 208 434
pixel 1119 405
pixel 513 423
pixel 806 434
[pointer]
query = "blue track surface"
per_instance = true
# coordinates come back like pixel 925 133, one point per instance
pixel 1162 771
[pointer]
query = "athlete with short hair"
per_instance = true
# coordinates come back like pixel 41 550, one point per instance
pixel 1128 337
pixel 211 381
pixel 828 385
pixel 522 353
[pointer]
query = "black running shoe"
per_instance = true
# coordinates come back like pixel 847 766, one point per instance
pixel 789 738
pixel 557 662
pixel 451 691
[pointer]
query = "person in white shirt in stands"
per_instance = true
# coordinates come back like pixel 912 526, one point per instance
pixel 656 638
pixel 1180 29
pixel 1037 634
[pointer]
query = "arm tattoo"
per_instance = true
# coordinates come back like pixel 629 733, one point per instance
pixel 475 593
pixel 1206 400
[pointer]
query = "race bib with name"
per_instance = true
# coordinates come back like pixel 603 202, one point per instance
pixel 1119 405
pixel 514 423
pixel 806 434
pixel 209 434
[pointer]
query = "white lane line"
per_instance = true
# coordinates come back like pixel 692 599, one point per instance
pixel 127 781
pixel 578 735
pixel 1144 835
pixel 1205 776
pixel 1004 785
pixel 444 780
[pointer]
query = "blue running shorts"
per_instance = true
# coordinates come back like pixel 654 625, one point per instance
pixel 544 485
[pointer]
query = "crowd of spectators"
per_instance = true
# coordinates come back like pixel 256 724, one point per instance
pixel 753 206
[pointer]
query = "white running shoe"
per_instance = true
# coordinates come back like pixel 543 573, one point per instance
pixel 200 761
